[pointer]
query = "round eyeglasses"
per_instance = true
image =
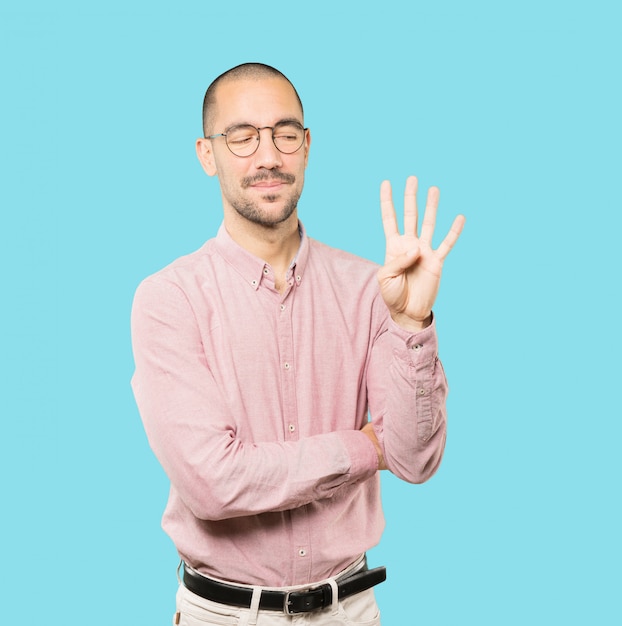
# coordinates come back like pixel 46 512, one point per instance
pixel 243 140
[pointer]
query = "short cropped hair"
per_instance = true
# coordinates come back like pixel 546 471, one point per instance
pixel 254 71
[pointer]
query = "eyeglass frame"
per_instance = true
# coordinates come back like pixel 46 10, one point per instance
pixel 282 122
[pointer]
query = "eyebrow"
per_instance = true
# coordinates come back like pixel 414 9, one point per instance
pixel 281 122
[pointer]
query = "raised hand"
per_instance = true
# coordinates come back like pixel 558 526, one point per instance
pixel 411 275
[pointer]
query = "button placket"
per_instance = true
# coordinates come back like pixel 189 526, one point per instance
pixel 286 350
pixel 301 543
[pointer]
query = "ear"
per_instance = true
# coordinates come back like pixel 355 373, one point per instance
pixel 205 155
pixel 307 146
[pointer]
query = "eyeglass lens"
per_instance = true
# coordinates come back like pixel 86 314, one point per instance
pixel 244 140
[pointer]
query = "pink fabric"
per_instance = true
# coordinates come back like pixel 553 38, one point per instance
pixel 253 402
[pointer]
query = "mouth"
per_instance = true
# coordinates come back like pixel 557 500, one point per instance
pixel 268 185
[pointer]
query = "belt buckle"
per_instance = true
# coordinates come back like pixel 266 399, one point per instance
pixel 286 604
pixel 305 605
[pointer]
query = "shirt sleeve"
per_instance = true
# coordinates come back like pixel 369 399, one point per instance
pixel 193 434
pixel 407 392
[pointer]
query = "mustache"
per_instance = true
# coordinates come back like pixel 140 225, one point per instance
pixel 268 175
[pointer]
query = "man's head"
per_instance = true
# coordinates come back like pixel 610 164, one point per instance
pixel 263 185
pixel 246 71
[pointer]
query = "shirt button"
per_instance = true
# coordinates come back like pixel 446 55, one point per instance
pixel 298 278
pixel 265 271
pixel 302 552
pixel 417 347
pixel 422 392
pixel 282 307
pixel 254 283
pixel 287 366
pixel 292 428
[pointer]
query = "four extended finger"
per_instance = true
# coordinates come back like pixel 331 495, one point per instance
pixel 429 218
pixel 452 236
pixel 389 220
pixel 410 206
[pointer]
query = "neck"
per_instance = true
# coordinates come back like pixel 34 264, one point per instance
pixel 276 245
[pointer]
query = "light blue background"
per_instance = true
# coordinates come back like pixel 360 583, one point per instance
pixel 513 109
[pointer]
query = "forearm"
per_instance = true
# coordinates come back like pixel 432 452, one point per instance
pixel 408 390
pixel 224 478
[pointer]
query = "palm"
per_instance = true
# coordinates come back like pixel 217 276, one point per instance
pixel 410 277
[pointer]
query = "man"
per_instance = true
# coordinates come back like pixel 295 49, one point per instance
pixel 258 359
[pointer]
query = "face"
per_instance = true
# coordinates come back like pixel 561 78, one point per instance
pixel 262 188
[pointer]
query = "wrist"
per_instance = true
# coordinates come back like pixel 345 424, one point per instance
pixel 411 324
pixel 368 430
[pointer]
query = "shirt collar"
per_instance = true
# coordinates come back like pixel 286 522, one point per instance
pixel 250 267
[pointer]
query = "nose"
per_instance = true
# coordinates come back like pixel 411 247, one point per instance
pixel 267 155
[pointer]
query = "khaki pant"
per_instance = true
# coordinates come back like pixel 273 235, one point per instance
pixel 357 610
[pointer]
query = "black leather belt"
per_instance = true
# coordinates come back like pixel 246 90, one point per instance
pixel 290 602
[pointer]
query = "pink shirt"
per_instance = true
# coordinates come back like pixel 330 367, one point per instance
pixel 253 402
